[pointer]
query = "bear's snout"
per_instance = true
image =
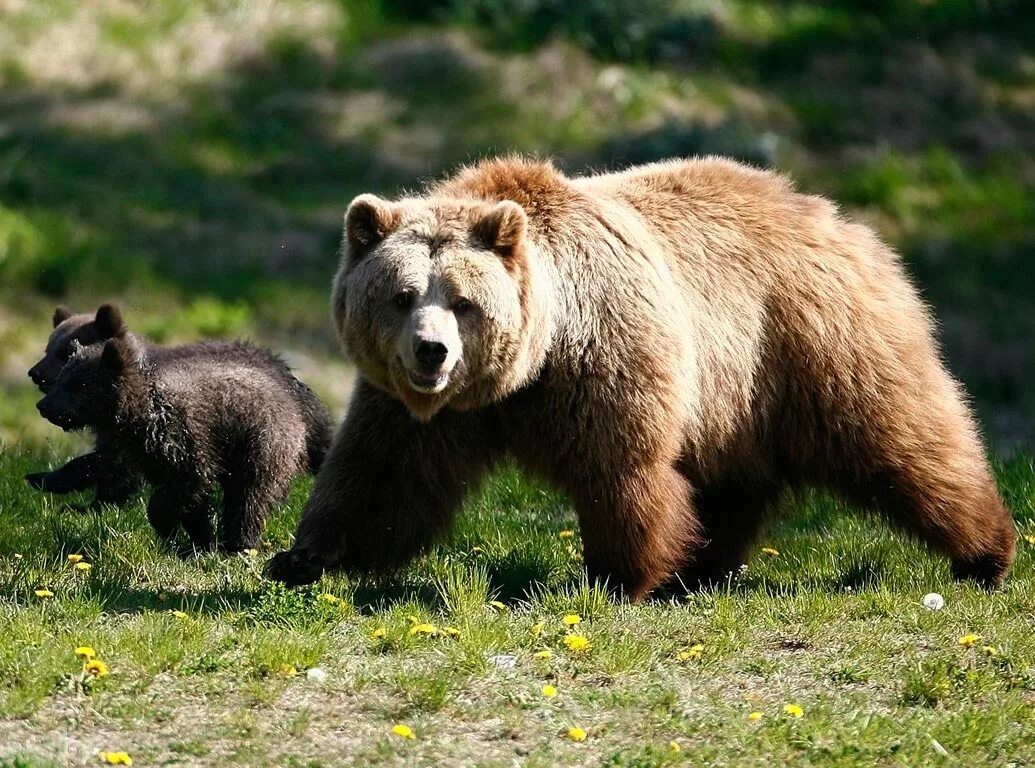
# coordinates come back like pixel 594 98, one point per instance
pixel 39 378
pixel 430 354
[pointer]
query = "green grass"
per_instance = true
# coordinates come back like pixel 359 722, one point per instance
pixel 209 662
pixel 192 161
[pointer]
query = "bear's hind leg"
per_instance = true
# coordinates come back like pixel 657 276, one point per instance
pixel 247 498
pixel 961 517
pixel 640 531
pixel 731 517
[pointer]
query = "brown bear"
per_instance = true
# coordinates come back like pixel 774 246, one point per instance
pixel 104 469
pixel 193 418
pixel 673 346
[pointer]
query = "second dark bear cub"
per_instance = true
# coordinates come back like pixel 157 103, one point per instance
pixel 104 469
pixel 196 417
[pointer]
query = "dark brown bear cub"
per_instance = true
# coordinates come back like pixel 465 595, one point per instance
pixel 104 469
pixel 195 417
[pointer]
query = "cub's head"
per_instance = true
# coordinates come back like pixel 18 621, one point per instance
pixel 89 389
pixel 441 301
pixel 69 328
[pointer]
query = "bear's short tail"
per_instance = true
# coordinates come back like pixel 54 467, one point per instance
pixel 318 428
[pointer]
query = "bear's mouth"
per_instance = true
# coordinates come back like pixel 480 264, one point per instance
pixel 428 383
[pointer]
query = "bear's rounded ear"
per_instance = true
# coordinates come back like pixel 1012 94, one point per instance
pixel 61 314
pixel 108 322
pixel 114 355
pixel 368 221
pixel 502 227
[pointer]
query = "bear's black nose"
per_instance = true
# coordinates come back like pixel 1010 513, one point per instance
pixel 430 354
pixel 36 378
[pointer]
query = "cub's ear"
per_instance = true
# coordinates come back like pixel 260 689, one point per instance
pixel 61 314
pixel 108 322
pixel 115 355
pixel 368 221
pixel 502 227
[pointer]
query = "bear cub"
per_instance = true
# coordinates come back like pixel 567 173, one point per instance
pixel 196 417
pixel 104 469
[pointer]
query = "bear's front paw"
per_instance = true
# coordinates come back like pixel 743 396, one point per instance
pixel 37 480
pixel 294 567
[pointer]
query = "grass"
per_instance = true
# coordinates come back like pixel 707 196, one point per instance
pixel 209 662
pixel 192 161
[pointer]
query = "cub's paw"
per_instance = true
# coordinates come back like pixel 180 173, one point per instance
pixel 294 567
pixel 37 480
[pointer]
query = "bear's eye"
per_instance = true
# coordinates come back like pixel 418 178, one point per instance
pixel 462 306
pixel 403 299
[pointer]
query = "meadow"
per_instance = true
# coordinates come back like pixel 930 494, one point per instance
pixel 192 160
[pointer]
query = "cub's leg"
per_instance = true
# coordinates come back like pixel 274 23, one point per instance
pixel 388 488
pixel 638 528
pixel 77 475
pixel 255 485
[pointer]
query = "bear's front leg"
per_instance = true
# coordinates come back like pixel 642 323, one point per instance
pixel 388 488
pixel 77 475
pixel 638 527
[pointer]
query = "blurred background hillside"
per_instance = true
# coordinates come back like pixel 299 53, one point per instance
pixel 192 159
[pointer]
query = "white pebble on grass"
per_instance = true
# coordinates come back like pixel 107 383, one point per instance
pixel 933 601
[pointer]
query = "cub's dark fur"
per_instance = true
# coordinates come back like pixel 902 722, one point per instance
pixel 104 469
pixel 194 417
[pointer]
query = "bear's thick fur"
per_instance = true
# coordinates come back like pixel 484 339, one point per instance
pixel 673 346
pixel 193 418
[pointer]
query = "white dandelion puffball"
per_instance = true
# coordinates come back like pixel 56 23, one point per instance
pixel 933 601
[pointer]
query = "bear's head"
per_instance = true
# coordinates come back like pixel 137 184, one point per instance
pixel 84 329
pixel 92 386
pixel 442 302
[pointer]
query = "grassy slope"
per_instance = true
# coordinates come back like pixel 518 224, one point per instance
pixel 833 623
pixel 193 160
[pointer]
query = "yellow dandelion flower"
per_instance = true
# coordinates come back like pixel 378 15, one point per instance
pixel 1030 538
pixel 85 652
pixel 549 691
pixel 403 731
pixel 82 567
pixel 476 550
pixel 452 632
pixel 576 734
pixel 793 710
pixel 537 628
pixel 755 716
pixel 673 746
pixel 576 643
pixel 423 629
pixel 116 758
pixel 179 615
pixel 288 670
pixel 330 599
pixel 770 551
pixel 546 654
pixel 968 640
pixel 498 605
pixel 44 594
pixel 571 619
pixel 251 552
pixel 96 668
pixel 990 650
pixel 379 634
pixel 413 619
pixel 691 653
pixel 566 534
pixel 73 559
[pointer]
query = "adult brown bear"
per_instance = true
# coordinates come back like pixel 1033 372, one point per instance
pixel 673 346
